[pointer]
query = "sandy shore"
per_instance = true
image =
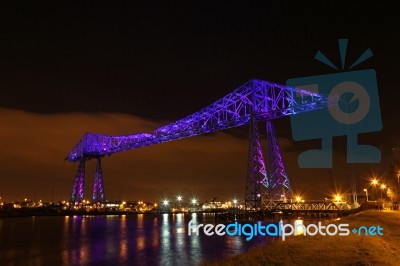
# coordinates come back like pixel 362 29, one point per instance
pixel 332 250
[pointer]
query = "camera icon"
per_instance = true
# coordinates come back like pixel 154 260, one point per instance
pixel 355 109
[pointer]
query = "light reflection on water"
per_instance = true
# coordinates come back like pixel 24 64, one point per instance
pixel 123 245
pixel 104 240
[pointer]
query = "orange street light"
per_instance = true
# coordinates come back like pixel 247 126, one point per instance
pixel 338 198
pixel 298 198
pixel 383 186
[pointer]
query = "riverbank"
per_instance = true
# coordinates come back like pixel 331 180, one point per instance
pixel 331 250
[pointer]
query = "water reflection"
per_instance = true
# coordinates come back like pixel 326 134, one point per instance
pixel 165 240
pixel 140 239
pixel 234 243
pixel 195 246
pixel 123 247
pixel 155 234
pixel 298 225
pixel 124 240
pixel 180 238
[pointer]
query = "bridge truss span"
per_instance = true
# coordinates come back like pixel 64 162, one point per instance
pixel 311 207
pixel 259 99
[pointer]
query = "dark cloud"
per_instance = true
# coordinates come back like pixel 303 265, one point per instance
pixel 33 147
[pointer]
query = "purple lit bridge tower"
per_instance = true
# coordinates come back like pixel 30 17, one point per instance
pixel 254 102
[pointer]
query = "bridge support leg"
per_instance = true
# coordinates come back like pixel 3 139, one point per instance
pixel 256 173
pixel 279 186
pixel 79 184
pixel 98 187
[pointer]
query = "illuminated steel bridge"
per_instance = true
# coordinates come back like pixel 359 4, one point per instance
pixel 255 101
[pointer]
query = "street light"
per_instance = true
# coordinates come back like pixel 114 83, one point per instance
pixel 338 198
pixel 235 201
pixel 179 198
pixel 194 201
pixel 366 193
pixel 382 188
pixel 298 198
pixel 374 183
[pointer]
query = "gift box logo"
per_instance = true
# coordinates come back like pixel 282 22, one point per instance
pixel 355 109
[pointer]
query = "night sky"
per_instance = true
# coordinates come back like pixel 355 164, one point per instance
pixel 123 67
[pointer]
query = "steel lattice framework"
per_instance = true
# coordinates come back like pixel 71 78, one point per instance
pixel 255 101
pixel 98 188
pixel 79 184
pixel 265 187
pixel 257 181
pixel 279 186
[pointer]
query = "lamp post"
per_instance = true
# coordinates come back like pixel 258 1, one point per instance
pixel 338 198
pixel 179 198
pixel 298 199
pixel 366 193
pixel 194 203
pixel 374 183
pixel 235 201
pixel 382 188
pixel 165 203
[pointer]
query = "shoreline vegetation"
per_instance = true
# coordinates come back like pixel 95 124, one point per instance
pixel 330 250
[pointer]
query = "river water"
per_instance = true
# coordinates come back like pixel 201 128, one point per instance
pixel 114 240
